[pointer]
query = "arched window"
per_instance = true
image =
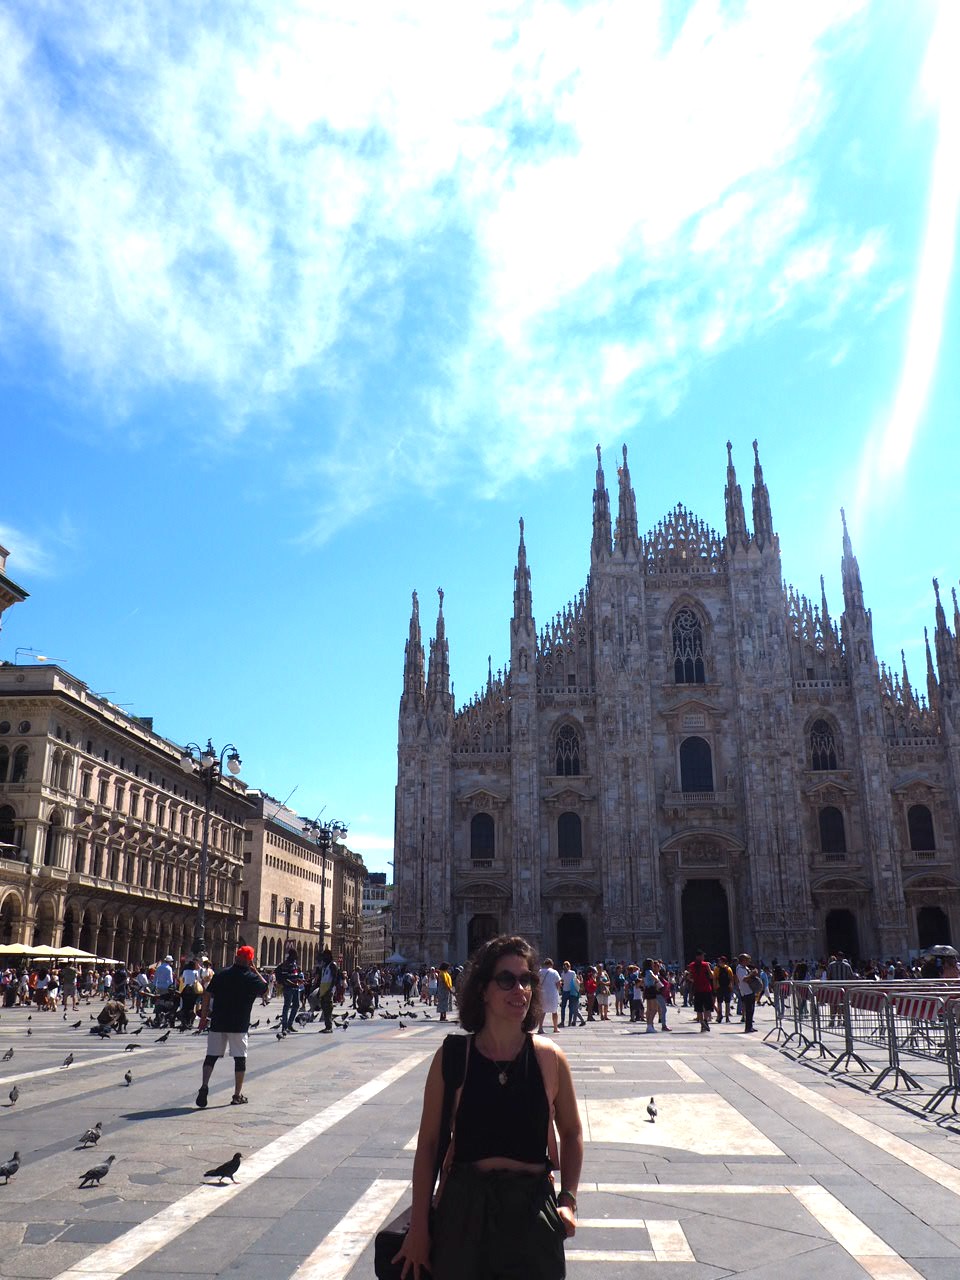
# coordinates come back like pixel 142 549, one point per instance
pixel 687 635
pixel 51 844
pixel 833 836
pixel 823 746
pixel 569 836
pixel 482 841
pixel 568 753
pixel 21 758
pixel 4 763
pixel 920 826
pixel 696 765
pixel 8 832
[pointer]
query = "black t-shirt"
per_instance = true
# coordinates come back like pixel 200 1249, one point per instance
pixel 233 992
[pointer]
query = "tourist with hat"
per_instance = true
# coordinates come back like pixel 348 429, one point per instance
pixel 225 1015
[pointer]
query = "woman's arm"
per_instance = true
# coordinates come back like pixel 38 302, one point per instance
pixel 567 1115
pixel 415 1250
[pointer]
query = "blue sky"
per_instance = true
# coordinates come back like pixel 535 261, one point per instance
pixel 301 306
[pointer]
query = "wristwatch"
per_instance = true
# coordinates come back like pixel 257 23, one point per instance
pixel 570 1198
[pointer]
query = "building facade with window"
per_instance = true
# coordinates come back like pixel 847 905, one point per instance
pixel 295 891
pixel 101 828
pixel 690 754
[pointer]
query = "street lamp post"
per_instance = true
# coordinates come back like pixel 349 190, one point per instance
pixel 288 903
pixel 326 834
pixel 206 764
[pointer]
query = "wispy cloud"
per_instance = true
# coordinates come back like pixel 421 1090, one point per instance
pixel 888 451
pixel 40 554
pixel 478 235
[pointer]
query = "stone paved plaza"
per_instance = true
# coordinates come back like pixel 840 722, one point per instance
pixel 757 1166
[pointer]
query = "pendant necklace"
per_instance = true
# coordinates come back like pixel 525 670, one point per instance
pixel 503 1068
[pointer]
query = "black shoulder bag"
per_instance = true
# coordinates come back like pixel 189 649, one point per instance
pixel 390 1238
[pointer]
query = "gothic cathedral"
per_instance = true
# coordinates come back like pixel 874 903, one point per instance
pixel 690 754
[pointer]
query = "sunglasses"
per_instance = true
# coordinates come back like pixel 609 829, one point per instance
pixel 506 980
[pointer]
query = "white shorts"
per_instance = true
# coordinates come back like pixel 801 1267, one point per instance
pixel 221 1042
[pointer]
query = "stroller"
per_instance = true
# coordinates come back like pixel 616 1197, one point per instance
pixel 165 1007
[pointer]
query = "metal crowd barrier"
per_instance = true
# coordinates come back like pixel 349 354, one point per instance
pixel 917 1019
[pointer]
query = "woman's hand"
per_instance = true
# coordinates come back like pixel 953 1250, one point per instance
pixel 568 1218
pixel 414 1253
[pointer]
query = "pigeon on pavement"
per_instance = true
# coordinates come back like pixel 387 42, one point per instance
pixel 68 1059
pixel 14 1095
pixel 225 1170
pixel 10 1167
pixel 652 1111
pixel 128 1076
pixel 8 1055
pixel 130 1047
pixel 161 1039
pixel 75 1025
pixel 97 1172
pixel 92 1136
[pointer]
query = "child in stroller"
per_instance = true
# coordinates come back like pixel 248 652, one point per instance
pixel 165 1006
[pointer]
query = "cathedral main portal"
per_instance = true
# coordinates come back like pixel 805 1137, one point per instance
pixel 572 939
pixel 706 919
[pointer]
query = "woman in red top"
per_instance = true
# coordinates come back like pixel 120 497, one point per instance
pixel 590 990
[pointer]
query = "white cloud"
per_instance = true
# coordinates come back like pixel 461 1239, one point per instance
pixel 250 204
pixel 37 555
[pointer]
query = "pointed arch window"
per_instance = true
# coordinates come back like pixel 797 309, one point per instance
pixel 687 636
pixel 833 835
pixel 568 752
pixel 823 746
pixel 920 826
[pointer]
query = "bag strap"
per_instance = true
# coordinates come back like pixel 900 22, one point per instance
pixel 546 1056
pixel 454 1065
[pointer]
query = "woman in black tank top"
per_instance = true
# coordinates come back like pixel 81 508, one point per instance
pixel 497 1217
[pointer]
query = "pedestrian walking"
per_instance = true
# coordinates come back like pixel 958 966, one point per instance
pixel 549 995
pixel 291 982
pixel 497 1216
pixel 227 1001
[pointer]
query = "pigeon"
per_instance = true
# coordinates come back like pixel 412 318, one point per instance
pixel 254 1024
pixel 68 1059
pixel 10 1168
pixel 161 1039
pixel 92 1135
pixel 138 1030
pixel 77 1025
pixel 128 1076
pixel 130 1048
pixel 226 1170
pixel 29 1031
pixel 29 1017
pixel 8 1055
pixel 402 1026
pixel 279 1035
pixel 652 1111
pixel 97 1172
pixel 14 1095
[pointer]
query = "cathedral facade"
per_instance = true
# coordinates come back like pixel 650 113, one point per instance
pixel 690 754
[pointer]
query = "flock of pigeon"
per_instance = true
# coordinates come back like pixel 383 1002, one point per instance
pixel 90 1137
pixel 92 1177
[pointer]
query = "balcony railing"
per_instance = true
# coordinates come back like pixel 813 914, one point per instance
pixel 697 799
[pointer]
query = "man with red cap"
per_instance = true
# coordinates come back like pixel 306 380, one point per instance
pixel 232 993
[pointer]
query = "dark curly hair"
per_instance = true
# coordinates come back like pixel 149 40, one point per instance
pixel 479 972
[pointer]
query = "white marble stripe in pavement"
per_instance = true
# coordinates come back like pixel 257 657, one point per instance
pixel 685 1073
pixel 147 1238
pixel 75 1066
pixel 336 1253
pixel 873 1254
pixel 946 1175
